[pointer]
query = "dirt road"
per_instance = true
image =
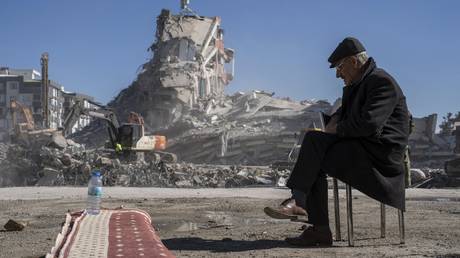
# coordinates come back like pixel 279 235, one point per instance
pixel 230 222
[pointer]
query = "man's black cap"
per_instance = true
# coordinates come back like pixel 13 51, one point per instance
pixel 348 47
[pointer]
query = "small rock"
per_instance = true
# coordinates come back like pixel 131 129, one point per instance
pixel 183 183
pixel 262 180
pixel 49 177
pixel 58 141
pixel 103 161
pixel 226 239
pixel 66 159
pixel 116 163
pixel 85 169
pixel 281 182
pixel 243 173
pixel 13 225
pixel 417 175
pixel 197 180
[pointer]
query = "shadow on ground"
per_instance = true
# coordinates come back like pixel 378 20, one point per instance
pixel 224 245
pixel 228 245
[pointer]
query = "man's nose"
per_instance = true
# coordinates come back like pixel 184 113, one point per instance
pixel 337 73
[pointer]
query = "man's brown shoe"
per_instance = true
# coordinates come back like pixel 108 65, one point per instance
pixel 287 210
pixel 312 236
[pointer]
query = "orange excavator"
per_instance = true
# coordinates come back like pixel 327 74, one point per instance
pixel 126 138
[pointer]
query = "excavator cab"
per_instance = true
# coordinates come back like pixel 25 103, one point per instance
pixel 130 134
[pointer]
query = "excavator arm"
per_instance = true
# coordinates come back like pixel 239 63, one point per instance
pixel 78 109
pixel 16 106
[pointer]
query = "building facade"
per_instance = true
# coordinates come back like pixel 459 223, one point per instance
pixel 25 86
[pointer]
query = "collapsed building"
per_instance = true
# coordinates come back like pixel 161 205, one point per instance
pixel 434 155
pixel 252 128
pixel 220 140
pixel 190 69
pixel 181 94
pixel 427 148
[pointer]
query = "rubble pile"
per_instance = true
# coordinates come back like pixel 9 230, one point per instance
pixel 221 140
pixel 428 149
pixel 249 129
pixel 42 165
pixel 246 128
pixel 180 94
pixel 188 68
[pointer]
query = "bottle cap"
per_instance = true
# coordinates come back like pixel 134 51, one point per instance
pixel 96 173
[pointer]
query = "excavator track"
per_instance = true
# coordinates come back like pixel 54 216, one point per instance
pixel 163 156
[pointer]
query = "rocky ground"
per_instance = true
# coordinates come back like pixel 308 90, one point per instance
pixel 230 222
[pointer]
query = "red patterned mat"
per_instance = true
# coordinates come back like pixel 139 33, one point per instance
pixel 112 233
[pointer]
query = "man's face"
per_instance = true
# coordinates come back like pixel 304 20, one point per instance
pixel 347 69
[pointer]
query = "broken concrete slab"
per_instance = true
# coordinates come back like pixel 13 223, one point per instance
pixel 48 177
pixel 58 141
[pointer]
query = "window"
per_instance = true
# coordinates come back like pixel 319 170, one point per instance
pixel 26 98
pixel 13 85
pixel 2 98
pixel 2 86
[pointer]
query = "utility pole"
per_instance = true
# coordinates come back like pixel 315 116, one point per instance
pixel 45 89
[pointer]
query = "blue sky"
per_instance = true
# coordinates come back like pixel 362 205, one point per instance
pixel 97 47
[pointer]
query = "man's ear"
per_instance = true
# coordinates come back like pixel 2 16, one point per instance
pixel 354 62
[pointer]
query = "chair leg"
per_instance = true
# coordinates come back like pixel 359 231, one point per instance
pixel 382 220
pixel 338 235
pixel 351 241
pixel 402 238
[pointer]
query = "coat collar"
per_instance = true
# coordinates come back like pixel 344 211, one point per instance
pixel 368 68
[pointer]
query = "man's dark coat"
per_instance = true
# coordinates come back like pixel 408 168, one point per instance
pixel 372 134
pixel 374 113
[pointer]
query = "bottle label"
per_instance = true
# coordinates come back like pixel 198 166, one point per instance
pixel 95 191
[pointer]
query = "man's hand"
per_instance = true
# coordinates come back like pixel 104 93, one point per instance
pixel 331 127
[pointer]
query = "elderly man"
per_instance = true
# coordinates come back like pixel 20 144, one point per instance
pixel 363 145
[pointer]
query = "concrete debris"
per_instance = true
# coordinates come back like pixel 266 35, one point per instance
pixel 453 167
pixel 13 225
pixel 189 69
pixel 58 141
pixel 180 94
pixel 48 176
pixel 220 140
pixel 417 175
pixel 434 178
pixel 260 135
pixel 428 149
pixel 54 167
pixel 453 171
pixel 252 128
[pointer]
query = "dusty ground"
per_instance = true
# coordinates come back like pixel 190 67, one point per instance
pixel 230 222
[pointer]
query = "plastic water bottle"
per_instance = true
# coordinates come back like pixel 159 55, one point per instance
pixel 93 205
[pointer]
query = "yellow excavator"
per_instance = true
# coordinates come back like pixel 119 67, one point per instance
pixel 127 138
pixel 23 123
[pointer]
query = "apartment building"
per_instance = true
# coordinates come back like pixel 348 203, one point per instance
pixel 25 86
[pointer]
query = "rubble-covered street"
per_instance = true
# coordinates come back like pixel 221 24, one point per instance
pixel 231 223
